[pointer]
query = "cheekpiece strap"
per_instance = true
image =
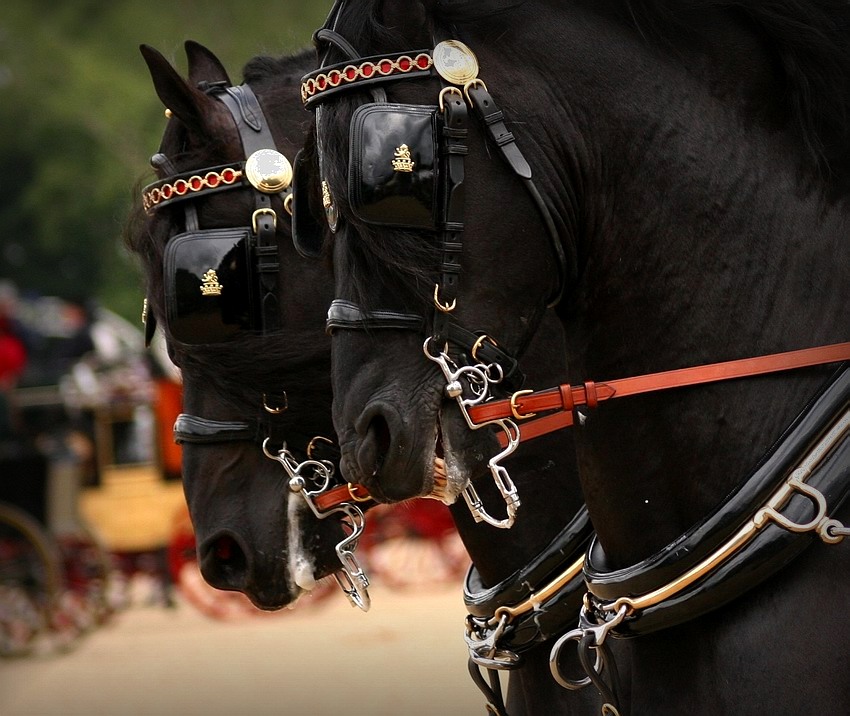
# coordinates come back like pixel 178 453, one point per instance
pixel 452 153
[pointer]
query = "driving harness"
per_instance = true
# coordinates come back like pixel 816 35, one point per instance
pixel 406 170
pixel 221 281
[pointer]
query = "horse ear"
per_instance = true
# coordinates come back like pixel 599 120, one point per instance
pixel 173 91
pixel 407 18
pixel 204 65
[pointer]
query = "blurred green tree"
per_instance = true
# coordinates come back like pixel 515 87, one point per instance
pixel 79 121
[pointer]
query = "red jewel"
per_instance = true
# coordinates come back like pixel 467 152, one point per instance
pixel 404 63
pixel 228 176
pixel 350 73
pixel 334 77
pixel 367 69
pixel 385 67
pixel 311 86
pixel 423 62
pixel 165 191
pixel 212 180
pixel 321 82
pixel 181 187
pixel 196 183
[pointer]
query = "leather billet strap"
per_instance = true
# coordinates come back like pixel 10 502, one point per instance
pixel 564 399
pixel 489 114
pixel 342 494
pixel 748 538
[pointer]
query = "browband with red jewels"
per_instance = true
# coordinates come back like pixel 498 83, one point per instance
pixel 173 189
pixel 322 82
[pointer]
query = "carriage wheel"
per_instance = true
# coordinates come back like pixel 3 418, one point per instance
pixel 30 582
pixel 88 579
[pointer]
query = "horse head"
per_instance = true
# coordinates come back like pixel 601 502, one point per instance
pixel 412 220
pixel 254 363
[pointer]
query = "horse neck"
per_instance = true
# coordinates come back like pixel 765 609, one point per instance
pixel 701 243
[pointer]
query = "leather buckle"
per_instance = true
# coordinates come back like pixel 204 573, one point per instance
pixel 515 411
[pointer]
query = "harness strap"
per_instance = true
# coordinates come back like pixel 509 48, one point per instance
pixel 565 398
pixel 493 119
pixel 341 494
pixel 256 135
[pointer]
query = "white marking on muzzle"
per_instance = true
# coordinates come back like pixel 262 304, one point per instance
pixel 302 566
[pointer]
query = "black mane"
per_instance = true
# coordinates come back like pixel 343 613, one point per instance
pixel 810 44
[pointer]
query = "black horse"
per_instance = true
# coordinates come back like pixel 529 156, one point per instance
pixel 242 508
pixel 674 176
pixel 239 501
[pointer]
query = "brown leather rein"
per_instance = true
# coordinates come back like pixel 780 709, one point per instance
pixel 524 405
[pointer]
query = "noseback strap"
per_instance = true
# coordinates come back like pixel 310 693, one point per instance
pixel 192 429
pixel 345 314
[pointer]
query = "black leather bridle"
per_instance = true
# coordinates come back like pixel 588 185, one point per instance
pixel 265 182
pixel 481 362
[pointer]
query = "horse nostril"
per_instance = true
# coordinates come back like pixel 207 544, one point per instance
pixel 375 446
pixel 224 548
pixel 383 439
pixel 223 563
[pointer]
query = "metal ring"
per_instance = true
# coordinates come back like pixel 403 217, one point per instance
pixel 516 413
pixel 278 410
pixel 312 444
pixel 444 307
pixel 287 204
pixel 479 342
pixel 354 497
pixel 571 684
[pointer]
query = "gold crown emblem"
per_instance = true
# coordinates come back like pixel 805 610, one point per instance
pixel 210 285
pixel 402 161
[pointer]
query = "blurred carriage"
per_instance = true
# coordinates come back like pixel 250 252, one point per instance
pixel 85 487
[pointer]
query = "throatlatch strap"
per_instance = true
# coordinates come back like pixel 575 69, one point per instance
pixel 491 116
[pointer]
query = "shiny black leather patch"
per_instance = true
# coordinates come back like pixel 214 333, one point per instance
pixel 208 285
pixel 393 165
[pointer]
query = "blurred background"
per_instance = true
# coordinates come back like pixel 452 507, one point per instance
pixel 80 120
pixel 92 519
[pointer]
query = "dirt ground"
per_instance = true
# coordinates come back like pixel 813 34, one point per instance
pixel 405 656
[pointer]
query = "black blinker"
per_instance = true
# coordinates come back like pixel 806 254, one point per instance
pixel 307 233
